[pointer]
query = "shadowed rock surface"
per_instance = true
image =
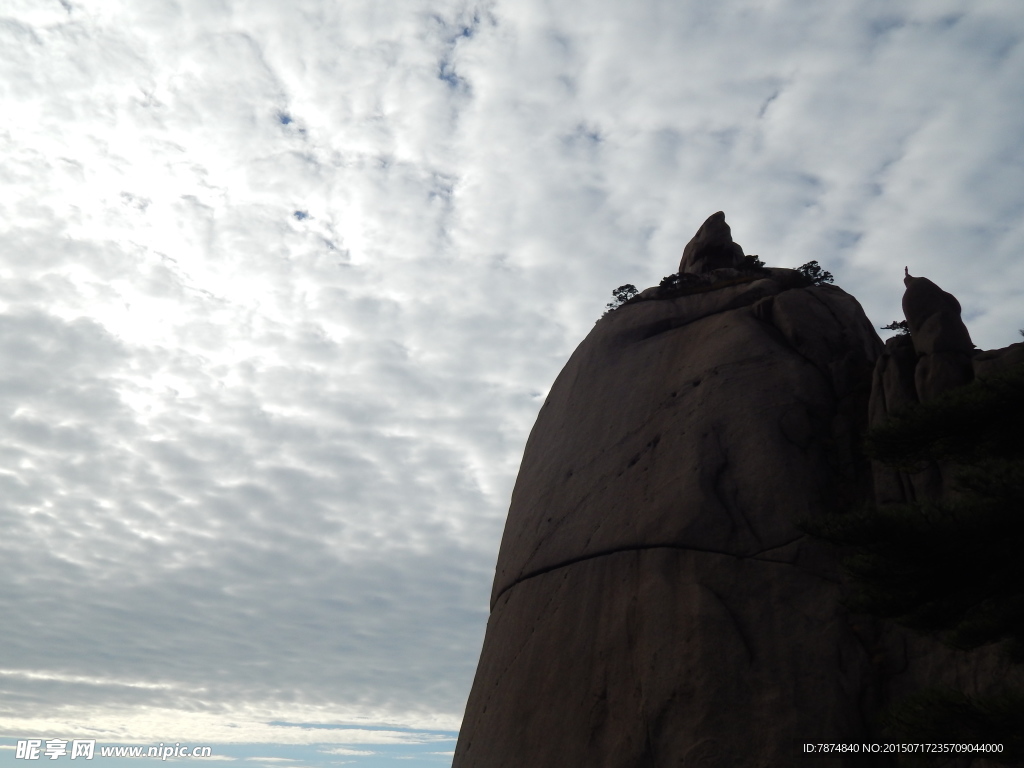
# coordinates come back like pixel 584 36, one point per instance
pixel 937 356
pixel 940 338
pixel 653 602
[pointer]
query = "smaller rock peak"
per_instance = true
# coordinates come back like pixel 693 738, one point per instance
pixel 933 317
pixel 711 248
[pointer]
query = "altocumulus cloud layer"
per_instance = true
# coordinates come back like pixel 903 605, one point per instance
pixel 282 286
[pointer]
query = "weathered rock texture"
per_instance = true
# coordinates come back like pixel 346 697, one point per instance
pixel 654 604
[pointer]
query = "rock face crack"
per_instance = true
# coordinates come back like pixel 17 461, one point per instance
pixel 722 493
pixel 618 550
pixel 736 624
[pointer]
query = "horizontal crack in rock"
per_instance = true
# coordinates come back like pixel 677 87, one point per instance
pixel 640 548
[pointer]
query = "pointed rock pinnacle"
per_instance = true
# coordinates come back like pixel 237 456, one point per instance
pixel 711 248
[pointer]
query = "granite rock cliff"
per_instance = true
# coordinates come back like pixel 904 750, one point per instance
pixel 654 603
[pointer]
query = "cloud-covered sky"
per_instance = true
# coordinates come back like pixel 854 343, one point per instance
pixel 283 286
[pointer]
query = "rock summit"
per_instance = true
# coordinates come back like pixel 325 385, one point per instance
pixel 711 248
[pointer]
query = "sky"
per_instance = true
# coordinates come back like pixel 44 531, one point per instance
pixel 283 286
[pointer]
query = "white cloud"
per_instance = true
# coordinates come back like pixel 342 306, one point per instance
pixel 282 288
pixel 273 759
pixel 232 724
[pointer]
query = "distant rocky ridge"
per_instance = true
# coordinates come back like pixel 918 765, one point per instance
pixel 653 602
